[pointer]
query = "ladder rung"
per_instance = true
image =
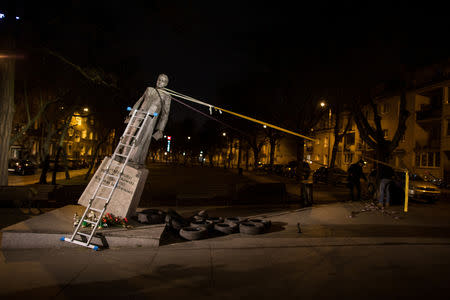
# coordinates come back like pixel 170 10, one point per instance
pixel 120 155
pixel 95 247
pixel 84 234
pixel 96 209
pixel 89 221
pixel 103 198
pixel 139 117
pixel 107 186
pixel 124 145
pixel 126 134
pixel 135 126
pixel 111 175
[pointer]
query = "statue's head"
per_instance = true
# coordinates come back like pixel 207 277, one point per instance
pixel 162 81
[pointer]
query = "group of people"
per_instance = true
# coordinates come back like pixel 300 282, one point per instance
pixel 386 177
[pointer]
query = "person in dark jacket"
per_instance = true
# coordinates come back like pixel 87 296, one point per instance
pixel 355 173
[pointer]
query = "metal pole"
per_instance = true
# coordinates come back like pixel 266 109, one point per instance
pixel 406 190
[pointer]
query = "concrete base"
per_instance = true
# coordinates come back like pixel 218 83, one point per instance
pixel 126 196
pixel 45 231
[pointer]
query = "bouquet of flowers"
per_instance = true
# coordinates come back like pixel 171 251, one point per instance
pixel 108 220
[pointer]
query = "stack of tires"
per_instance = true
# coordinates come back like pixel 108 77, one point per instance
pixel 202 228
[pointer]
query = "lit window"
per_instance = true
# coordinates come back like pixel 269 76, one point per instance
pixel 348 158
pixel 385 133
pixel 385 108
pixel 428 159
pixel 91 135
pixel 83 134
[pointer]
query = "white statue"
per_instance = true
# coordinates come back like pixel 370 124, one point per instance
pixel 157 102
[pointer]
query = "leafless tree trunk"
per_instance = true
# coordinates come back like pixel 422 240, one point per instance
pixel 338 137
pixel 94 157
pixel 61 142
pixel 239 153
pixel 374 137
pixel 7 66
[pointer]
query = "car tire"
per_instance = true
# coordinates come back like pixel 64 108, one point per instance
pixel 227 228
pixel 202 224
pixel 150 218
pixel 193 233
pixel 267 224
pixel 214 220
pixel 234 220
pixel 250 228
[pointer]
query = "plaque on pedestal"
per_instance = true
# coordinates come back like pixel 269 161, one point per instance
pixel 127 194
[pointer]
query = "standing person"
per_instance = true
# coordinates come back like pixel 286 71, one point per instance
pixel 355 173
pixel 386 178
pixel 157 102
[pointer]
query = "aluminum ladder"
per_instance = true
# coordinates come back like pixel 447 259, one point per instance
pixel 132 132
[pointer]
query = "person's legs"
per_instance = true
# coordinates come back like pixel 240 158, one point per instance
pixel 389 186
pixel 351 188
pixel 358 191
pixel 381 192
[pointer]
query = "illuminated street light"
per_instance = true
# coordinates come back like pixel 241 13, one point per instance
pixel 2 16
pixel 224 134
pixel 189 137
pixel 86 109
pixel 322 104
pixel 265 126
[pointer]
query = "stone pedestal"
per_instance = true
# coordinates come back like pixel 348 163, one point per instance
pixel 127 194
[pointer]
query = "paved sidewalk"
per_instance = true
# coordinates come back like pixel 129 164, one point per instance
pixel 371 255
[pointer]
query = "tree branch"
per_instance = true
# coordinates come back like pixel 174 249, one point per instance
pixel 91 75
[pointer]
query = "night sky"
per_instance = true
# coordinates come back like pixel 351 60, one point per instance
pixel 205 46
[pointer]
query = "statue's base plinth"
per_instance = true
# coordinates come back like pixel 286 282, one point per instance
pixel 126 196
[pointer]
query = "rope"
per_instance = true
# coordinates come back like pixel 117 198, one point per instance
pixel 176 94
pixel 212 118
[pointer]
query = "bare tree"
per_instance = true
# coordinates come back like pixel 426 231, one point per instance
pixel 374 137
pixel 7 70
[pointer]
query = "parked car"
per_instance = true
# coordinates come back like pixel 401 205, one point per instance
pixel 419 188
pixel 21 166
pixel 277 169
pixel 333 176
pixel 77 164
pixel 290 170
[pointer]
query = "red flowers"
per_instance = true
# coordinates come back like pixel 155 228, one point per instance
pixel 111 220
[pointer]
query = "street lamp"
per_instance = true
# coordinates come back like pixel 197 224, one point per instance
pixel 188 137
pixel 323 104
pixel 224 133
pixel 86 109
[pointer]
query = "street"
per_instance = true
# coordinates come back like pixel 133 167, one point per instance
pixel 308 269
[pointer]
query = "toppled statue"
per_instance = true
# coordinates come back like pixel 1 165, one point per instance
pixel 157 102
